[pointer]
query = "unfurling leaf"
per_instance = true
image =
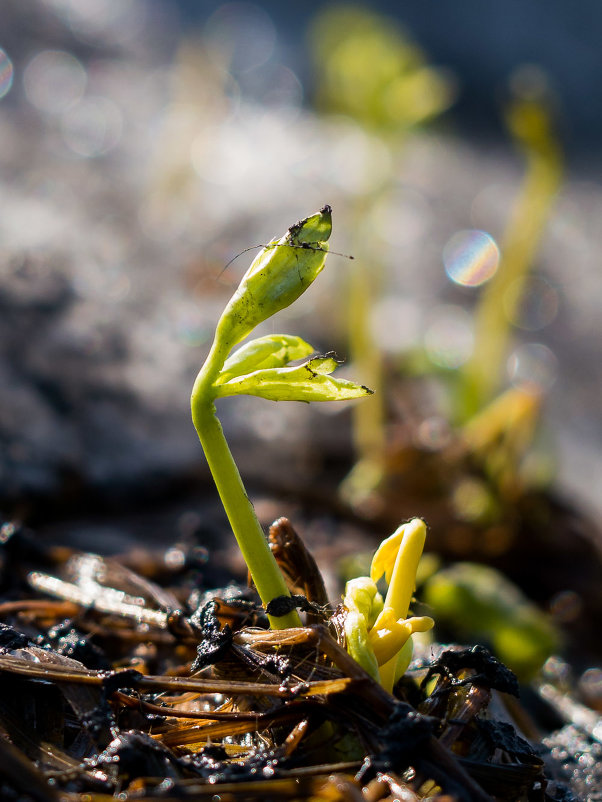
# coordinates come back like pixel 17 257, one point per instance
pixel 273 351
pixel 389 635
pixel 358 644
pixel 361 594
pixel 408 539
pixel 307 382
pixel 385 556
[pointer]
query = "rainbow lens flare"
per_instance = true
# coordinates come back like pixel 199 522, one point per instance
pixel 471 258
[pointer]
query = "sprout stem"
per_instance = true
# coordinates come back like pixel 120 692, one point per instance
pixel 262 565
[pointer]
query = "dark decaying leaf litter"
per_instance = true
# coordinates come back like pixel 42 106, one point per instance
pixel 116 687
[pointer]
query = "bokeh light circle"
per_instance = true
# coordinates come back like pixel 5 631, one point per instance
pixel 242 36
pixel 54 81
pixel 471 257
pixel 92 127
pixel 449 339
pixel 118 21
pixel 531 304
pixel 395 323
pixel 533 365
pixel 6 73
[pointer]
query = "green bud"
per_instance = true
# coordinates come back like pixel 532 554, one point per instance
pixel 361 594
pixel 273 351
pixel 279 274
pixel 358 644
pixel 307 382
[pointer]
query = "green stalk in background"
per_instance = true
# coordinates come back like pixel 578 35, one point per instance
pixel 530 124
pixel 280 273
pixel 368 70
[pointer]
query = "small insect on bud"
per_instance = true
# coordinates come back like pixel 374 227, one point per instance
pixel 279 274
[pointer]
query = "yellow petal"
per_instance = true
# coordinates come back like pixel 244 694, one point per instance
pixel 385 555
pixel 388 636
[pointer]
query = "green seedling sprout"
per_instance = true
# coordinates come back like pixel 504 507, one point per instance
pixel 280 273
pixel 379 633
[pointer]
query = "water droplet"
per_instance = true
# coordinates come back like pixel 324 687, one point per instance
pixel 174 558
pixel 590 684
pixel 6 74
pixel 402 219
pixel 358 162
pixel 277 87
pixel 223 155
pixel 471 258
pixel 116 21
pixel 530 82
pixel 566 606
pixel 471 500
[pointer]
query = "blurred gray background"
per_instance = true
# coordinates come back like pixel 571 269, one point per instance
pixel 144 144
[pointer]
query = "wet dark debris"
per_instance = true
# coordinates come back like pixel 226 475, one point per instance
pixel 405 735
pixel 213 764
pixel 67 640
pixel 152 689
pixel 282 605
pixel 136 754
pixel 11 638
pixel 215 640
pixel 486 670
pixel 501 735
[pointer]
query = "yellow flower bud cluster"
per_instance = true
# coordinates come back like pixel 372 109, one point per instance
pixel 379 634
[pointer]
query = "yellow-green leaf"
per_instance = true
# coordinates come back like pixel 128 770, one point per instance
pixel 385 556
pixel 361 595
pixel 272 351
pixel 307 382
pixel 358 645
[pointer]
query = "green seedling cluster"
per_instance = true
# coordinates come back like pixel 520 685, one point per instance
pixel 280 273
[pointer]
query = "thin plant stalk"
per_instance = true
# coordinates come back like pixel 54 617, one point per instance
pixel 247 530
pixel 481 376
pixel 368 419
